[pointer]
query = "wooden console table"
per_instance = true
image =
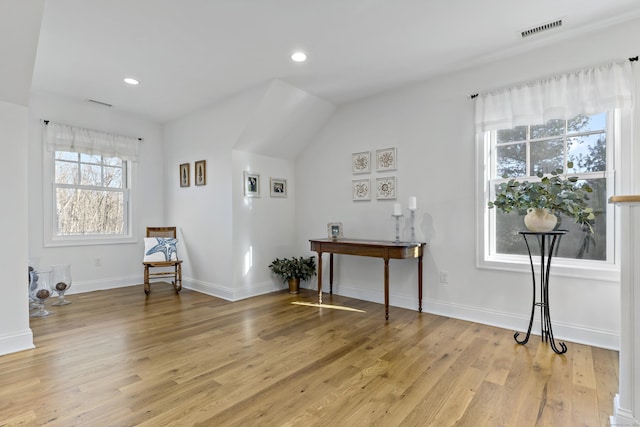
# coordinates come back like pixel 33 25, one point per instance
pixel 372 248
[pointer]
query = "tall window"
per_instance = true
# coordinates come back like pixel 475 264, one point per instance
pixel 522 152
pixel 91 195
pixel 87 184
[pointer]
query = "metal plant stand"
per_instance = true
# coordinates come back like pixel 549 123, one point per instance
pixel 548 242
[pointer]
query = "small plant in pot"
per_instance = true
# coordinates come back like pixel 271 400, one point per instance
pixel 542 200
pixel 292 270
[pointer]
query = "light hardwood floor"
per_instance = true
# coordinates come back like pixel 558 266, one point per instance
pixel 116 358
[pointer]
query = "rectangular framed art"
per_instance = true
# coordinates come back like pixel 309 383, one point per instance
pixel 278 187
pixel 386 159
pixel 201 172
pixel 185 175
pixel 251 184
pixel 361 189
pixel 361 162
pixel 386 188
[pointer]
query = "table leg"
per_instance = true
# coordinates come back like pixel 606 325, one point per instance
pixel 319 277
pixel 331 273
pixel 420 283
pixel 386 288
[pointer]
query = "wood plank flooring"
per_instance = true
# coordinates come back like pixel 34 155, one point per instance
pixel 116 358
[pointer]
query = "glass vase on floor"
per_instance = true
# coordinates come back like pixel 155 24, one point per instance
pixel 40 290
pixel 61 279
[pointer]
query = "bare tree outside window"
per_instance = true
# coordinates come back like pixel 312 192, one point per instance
pixel 90 193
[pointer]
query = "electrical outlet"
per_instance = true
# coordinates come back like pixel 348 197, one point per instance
pixel 444 277
pixel 98 262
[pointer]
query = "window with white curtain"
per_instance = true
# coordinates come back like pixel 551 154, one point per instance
pixel 89 176
pixel 540 127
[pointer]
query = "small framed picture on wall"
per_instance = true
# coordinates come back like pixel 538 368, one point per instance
pixel 185 175
pixel 251 184
pixel 278 187
pixel 201 172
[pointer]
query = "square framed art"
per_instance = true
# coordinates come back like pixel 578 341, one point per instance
pixel 386 188
pixel 278 187
pixel 185 175
pixel 251 184
pixel 361 189
pixel 386 159
pixel 361 162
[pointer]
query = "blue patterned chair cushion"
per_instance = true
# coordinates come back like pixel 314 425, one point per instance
pixel 160 249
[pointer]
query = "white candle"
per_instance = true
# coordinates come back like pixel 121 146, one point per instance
pixel 413 203
pixel 397 209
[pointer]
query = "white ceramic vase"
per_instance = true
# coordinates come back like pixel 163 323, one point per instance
pixel 540 220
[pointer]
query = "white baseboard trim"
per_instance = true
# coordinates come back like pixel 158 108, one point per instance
pixel 229 294
pixel 561 331
pixel 621 417
pixel 16 342
pixel 103 284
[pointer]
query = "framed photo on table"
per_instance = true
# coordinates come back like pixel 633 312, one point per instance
pixel 334 230
pixel 251 184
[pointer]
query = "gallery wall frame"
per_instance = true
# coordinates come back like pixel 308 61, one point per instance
pixel 361 189
pixel 185 175
pixel 386 188
pixel 278 187
pixel 361 162
pixel 386 159
pixel 200 172
pixel 251 184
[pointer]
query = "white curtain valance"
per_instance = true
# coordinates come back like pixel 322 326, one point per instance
pixel 590 91
pixel 59 137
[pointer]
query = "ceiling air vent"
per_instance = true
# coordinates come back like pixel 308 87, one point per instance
pixel 541 28
pixel 104 104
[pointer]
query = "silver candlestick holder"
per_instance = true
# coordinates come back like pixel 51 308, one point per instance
pixel 397 217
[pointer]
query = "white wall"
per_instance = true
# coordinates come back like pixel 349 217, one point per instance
pixel 432 126
pixel 121 263
pixel 15 333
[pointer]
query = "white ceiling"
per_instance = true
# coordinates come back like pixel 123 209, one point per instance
pixel 189 54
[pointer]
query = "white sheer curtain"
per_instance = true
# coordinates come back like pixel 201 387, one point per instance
pixel 589 91
pixel 60 137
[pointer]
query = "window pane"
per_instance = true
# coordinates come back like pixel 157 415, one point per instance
pixel 90 158
pixel 66 173
pixel 91 175
pixel 587 123
pixel 576 244
pixel 551 128
pixel 113 177
pixel 547 156
pixel 112 161
pixel 511 135
pixel 66 155
pixel 81 212
pixel 588 153
pixel 511 160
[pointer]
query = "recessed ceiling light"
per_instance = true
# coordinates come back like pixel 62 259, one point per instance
pixel 131 81
pixel 299 57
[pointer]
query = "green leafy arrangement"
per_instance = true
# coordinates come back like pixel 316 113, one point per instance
pixel 559 194
pixel 290 268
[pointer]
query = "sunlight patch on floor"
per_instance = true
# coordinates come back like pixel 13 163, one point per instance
pixel 337 307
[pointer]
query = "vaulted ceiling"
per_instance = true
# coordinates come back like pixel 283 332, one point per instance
pixel 189 54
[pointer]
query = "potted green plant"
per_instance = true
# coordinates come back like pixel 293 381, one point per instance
pixel 292 270
pixel 543 200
